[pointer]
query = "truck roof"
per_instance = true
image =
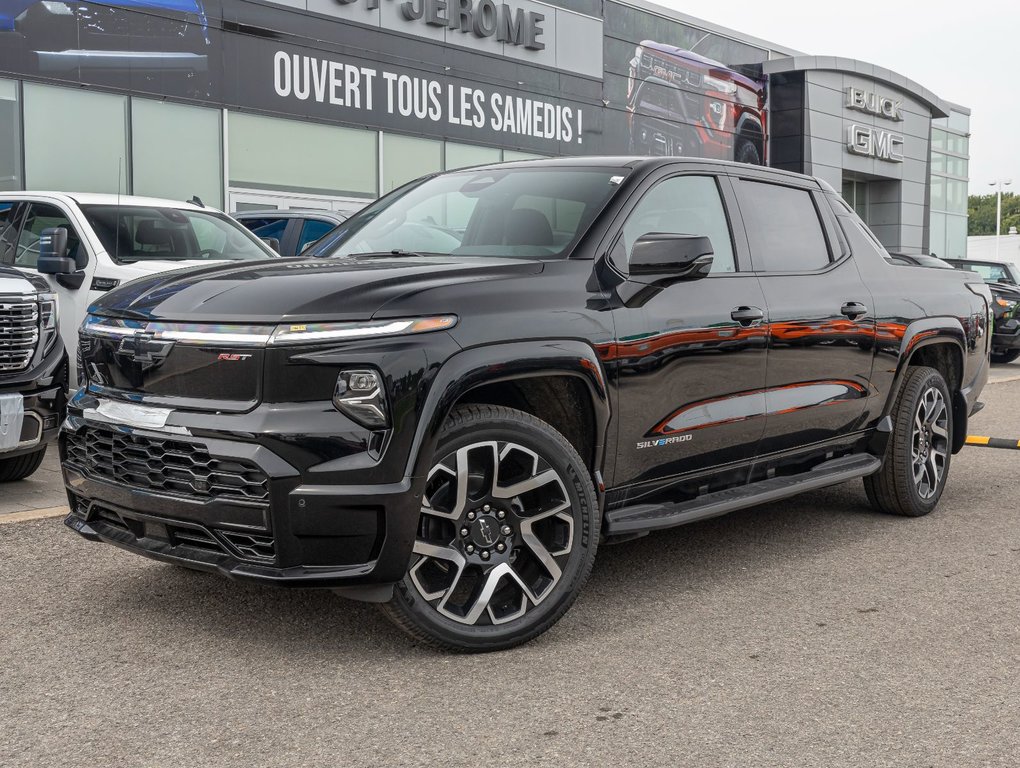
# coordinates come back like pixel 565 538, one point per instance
pixel 97 198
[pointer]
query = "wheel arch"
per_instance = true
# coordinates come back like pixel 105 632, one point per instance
pixel 938 343
pixel 522 375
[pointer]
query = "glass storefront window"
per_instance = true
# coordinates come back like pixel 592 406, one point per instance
pixel 463 155
pixel 175 151
pixel 956 237
pixel 938 193
pixel 93 157
pixel 937 236
pixel 288 155
pixel 956 196
pixel 509 155
pixel 406 158
pixel 856 194
pixel 10 136
pixel 957 144
pixel 956 166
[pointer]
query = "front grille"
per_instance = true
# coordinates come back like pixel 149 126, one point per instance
pixel 671 71
pixel 19 334
pixel 164 465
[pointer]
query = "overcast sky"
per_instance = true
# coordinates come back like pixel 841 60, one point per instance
pixel 967 51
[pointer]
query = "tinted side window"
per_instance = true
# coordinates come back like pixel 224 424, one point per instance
pixel 783 227
pixel 268 227
pixel 684 205
pixel 312 230
pixel 41 216
pixel 8 231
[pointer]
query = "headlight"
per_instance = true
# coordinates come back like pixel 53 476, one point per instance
pixel 720 86
pixel 57 8
pixel 308 333
pixel 1005 303
pixel 359 394
pixel 49 319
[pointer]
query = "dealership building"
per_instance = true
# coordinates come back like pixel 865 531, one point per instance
pixel 318 103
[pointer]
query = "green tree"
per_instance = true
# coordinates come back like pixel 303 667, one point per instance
pixel 982 213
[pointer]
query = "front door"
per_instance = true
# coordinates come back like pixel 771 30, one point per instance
pixel 33 219
pixel 689 362
pixel 821 326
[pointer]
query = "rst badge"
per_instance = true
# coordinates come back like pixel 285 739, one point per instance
pixel 232 357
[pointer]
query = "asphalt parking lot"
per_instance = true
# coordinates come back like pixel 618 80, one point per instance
pixel 806 633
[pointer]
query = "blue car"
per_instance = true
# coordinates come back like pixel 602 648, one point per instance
pixel 58 38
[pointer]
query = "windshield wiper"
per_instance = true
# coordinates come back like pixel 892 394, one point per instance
pixel 398 252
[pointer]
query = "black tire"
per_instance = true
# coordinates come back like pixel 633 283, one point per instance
pixel 500 449
pixel 747 151
pixel 20 467
pixel 1005 357
pixel 895 488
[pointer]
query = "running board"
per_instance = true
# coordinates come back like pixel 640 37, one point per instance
pixel 653 517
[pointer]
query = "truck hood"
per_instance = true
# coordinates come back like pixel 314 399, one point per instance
pixel 14 282
pixel 718 69
pixel 297 290
pixel 11 9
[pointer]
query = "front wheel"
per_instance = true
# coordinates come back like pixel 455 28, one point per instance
pixel 916 465
pixel 20 467
pixel 507 536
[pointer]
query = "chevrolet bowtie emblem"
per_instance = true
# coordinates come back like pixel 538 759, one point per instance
pixel 144 348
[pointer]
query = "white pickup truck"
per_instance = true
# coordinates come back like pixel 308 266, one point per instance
pixel 113 239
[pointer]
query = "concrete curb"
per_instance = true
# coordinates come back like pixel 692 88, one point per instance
pixel 33 514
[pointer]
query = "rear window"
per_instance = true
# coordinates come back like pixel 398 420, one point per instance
pixel 136 233
pixel 783 227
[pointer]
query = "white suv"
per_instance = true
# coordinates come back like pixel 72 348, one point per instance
pixel 114 239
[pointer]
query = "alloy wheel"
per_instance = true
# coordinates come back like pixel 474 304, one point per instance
pixel 496 528
pixel 930 442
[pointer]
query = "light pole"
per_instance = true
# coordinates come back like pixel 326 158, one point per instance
pixel 998 184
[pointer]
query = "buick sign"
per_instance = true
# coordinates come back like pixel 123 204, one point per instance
pixel 873 104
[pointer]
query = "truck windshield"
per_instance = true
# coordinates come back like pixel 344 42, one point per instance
pixel 990 271
pixel 504 212
pixel 136 233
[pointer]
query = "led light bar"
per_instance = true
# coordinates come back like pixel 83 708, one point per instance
pixel 309 333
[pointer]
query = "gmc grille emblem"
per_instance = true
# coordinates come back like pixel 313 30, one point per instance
pixel 144 349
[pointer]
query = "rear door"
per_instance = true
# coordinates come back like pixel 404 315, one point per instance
pixel 689 361
pixel 821 325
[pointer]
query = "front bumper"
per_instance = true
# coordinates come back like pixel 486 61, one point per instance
pixel 43 389
pixel 1006 334
pixel 63 62
pixel 166 494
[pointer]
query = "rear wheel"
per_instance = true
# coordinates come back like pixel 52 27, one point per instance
pixel 507 536
pixel 916 464
pixel 1006 356
pixel 20 467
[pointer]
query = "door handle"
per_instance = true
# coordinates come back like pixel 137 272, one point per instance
pixel 747 316
pixel 853 309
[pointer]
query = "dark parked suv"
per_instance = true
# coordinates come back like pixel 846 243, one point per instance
pixel 1003 280
pixel 33 372
pixel 607 347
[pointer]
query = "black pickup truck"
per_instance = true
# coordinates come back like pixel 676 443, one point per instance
pixel 33 373
pixel 500 368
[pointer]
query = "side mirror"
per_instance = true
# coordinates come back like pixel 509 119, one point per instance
pixel 53 259
pixel 272 242
pixel 667 257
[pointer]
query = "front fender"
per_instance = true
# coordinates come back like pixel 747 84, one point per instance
pixel 495 363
